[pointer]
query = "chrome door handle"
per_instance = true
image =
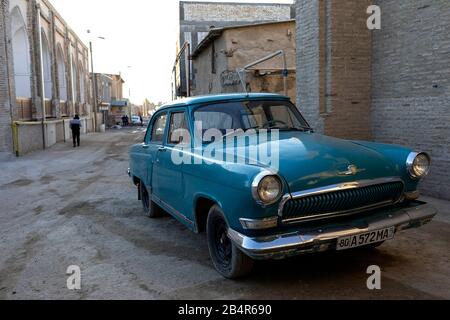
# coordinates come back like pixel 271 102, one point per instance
pixel 162 149
pixel 145 146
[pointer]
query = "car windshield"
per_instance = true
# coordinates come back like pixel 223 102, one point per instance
pixel 245 115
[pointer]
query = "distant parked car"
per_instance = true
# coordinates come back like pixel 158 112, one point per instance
pixel 136 121
pixel 325 194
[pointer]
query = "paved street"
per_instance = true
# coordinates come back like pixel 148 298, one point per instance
pixel 68 207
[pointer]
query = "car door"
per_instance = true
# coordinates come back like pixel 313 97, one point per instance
pixel 168 174
pixel 153 141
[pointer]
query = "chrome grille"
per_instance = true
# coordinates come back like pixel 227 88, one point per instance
pixel 341 202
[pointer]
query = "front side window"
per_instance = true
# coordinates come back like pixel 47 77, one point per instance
pixel 178 130
pixel 159 125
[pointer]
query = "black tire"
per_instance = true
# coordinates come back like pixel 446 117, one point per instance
pixel 228 260
pixel 151 210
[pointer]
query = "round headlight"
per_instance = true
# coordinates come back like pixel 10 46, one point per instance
pixel 267 189
pixel 418 165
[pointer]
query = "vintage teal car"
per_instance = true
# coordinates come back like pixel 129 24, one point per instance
pixel 303 193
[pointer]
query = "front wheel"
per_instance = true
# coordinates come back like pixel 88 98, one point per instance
pixel 228 260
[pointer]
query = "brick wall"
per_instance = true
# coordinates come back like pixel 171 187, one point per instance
pixel 411 83
pixel 390 85
pixel 5 67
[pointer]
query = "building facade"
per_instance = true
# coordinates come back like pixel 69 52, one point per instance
pixel 218 59
pixel 198 18
pixel 390 85
pixel 43 62
pixel 110 97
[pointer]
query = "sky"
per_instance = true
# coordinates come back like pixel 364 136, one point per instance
pixel 140 40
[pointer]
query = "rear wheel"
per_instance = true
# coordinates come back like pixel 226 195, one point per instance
pixel 151 210
pixel 228 260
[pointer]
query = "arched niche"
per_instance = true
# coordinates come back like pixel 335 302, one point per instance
pixel 48 83
pixel 82 79
pixel 21 54
pixel 61 65
pixel 74 80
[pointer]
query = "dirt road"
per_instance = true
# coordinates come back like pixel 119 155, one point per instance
pixel 66 207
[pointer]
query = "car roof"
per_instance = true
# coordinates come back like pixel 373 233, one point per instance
pixel 192 101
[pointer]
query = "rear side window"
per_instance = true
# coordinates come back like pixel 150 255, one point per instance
pixel 159 125
pixel 214 119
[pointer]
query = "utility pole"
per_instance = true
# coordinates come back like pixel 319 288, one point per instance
pixel 94 85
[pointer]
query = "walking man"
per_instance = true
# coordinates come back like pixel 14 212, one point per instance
pixel 75 126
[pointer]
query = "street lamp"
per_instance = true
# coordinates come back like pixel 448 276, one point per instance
pixel 129 90
pixel 94 82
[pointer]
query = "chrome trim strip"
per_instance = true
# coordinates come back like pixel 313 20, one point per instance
pixel 172 210
pixel 410 162
pixel 267 223
pixel 339 213
pixel 323 238
pixel 335 188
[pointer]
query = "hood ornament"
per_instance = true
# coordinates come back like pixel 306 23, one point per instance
pixel 351 171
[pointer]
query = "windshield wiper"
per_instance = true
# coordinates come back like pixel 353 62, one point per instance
pixel 302 129
pixel 238 132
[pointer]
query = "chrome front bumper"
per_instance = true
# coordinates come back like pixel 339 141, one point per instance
pixel 325 238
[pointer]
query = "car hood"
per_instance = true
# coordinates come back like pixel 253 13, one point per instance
pixel 309 160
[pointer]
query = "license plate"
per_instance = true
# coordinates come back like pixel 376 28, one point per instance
pixel 364 239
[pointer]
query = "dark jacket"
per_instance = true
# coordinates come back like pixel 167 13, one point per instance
pixel 75 125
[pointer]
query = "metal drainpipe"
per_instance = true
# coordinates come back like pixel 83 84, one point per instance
pixel 285 73
pixel 64 130
pixel 270 56
pixel 42 79
pixel 185 48
pixel 16 138
pixel 188 69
